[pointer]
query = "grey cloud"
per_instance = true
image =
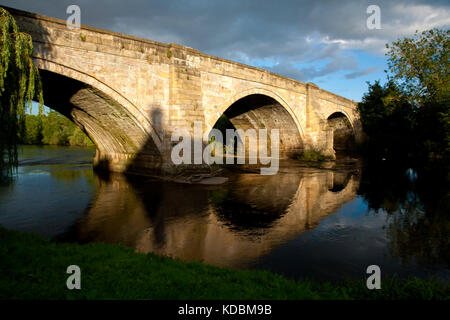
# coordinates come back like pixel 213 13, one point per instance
pixel 287 33
pixel 289 70
pixel 361 73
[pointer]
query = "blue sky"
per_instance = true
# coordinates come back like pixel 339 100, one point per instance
pixel 325 42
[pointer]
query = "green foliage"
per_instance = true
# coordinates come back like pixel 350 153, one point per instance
pixel 33 130
pixel 312 155
pixel 387 119
pixel 409 117
pixel 54 129
pixel 432 128
pixel 78 138
pixel 421 65
pixel 34 268
pixel 19 84
pixel 169 53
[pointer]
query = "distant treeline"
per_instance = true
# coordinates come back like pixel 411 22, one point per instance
pixel 52 128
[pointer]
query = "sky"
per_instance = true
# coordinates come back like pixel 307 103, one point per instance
pixel 325 42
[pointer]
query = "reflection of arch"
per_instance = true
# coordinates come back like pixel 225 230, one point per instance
pixel 114 124
pixel 140 120
pixel 254 202
pixel 261 109
pixel 351 187
pixel 339 181
pixel 343 132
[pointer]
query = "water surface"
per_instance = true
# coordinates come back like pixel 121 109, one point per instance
pixel 328 222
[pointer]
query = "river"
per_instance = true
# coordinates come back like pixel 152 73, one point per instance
pixel 326 223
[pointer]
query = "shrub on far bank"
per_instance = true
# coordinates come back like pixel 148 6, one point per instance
pixel 312 155
pixel 53 129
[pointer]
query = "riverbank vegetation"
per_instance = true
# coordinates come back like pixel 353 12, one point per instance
pixel 312 155
pixel 32 267
pixel 52 129
pixel 19 85
pixel 408 118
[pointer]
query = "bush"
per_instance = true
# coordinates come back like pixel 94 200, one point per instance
pixel 54 129
pixel 313 155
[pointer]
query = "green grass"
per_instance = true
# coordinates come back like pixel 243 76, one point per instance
pixel 32 267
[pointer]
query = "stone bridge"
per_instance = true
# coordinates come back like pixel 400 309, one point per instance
pixel 130 94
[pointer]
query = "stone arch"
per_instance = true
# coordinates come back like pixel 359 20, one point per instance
pixel 344 137
pixel 223 107
pixel 141 120
pixel 262 109
pixel 117 128
pixel 344 112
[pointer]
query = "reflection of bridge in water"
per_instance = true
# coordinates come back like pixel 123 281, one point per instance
pixel 232 224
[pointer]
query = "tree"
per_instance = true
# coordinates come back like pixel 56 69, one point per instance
pixel 421 65
pixel 387 117
pixel 19 84
pixel 33 130
pixel 410 115
pixel 52 128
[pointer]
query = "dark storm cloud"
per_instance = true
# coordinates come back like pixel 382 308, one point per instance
pixel 276 34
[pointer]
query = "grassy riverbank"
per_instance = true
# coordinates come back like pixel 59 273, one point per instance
pixel 32 267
